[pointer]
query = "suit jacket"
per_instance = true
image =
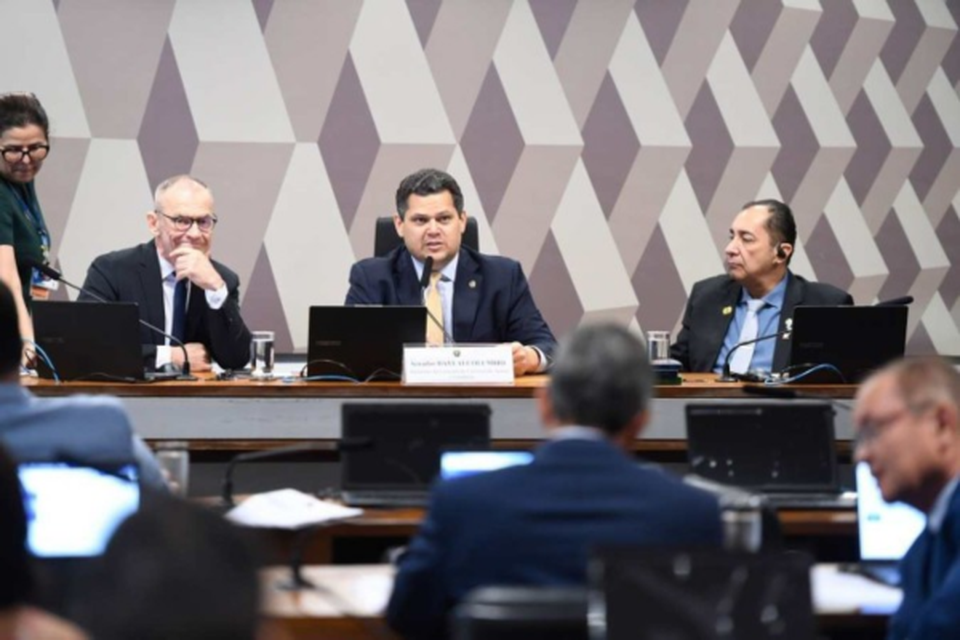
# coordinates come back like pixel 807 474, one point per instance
pixel 491 297
pixel 535 525
pixel 931 583
pixel 705 324
pixel 133 275
pixel 87 429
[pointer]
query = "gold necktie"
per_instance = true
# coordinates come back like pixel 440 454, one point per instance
pixel 434 307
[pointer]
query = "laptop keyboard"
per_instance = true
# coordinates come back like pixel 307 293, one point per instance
pixel 386 498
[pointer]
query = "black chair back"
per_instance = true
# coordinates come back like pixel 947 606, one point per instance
pixel 520 613
pixel 386 239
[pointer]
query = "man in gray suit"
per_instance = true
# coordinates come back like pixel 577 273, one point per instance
pixel 85 429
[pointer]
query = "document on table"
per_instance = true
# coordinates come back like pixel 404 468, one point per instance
pixel 288 509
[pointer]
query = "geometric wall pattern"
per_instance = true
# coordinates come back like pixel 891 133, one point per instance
pixel 606 144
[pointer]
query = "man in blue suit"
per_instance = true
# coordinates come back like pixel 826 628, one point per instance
pixel 87 429
pixel 481 298
pixel 907 422
pixel 536 524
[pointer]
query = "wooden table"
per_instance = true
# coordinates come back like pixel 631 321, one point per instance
pixel 349 602
pixel 243 415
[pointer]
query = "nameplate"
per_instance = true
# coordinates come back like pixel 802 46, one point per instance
pixel 457 364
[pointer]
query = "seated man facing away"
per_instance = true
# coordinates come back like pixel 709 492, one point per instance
pixel 755 298
pixel 176 284
pixel 473 297
pixel 535 524
pixel 19 620
pixel 907 425
pixel 91 429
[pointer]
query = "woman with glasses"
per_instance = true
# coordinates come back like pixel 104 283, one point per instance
pixel 24 145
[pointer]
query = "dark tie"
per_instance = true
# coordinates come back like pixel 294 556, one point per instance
pixel 179 330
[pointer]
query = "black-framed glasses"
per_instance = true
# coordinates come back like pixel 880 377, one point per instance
pixel 16 154
pixel 183 223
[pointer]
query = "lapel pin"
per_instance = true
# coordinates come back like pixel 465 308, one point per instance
pixel 472 284
pixel 727 311
pixel 788 323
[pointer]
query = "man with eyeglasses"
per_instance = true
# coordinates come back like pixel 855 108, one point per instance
pixel 176 284
pixel 907 426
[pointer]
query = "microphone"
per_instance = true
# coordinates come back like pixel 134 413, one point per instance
pixel 895 302
pixel 424 284
pixel 726 376
pixel 53 274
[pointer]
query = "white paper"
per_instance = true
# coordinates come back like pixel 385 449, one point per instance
pixel 452 364
pixel 287 509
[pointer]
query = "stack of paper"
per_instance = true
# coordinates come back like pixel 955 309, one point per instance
pixel 288 509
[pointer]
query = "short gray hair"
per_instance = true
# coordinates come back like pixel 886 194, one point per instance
pixel 601 378
pixel 173 181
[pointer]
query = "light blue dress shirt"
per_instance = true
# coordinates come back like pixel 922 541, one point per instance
pixel 768 319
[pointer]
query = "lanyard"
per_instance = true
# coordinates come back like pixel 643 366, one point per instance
pixel 32 214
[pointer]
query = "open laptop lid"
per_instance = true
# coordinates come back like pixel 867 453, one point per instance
pixel 886 529
pixel 468 462
pixel 775 447
pixel 89 340
pixel 360 341
pixel 73 510
pixel 856 340
pixel 388 446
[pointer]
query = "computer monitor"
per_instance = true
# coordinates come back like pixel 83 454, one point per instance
pixel 458 464
pixel 886 529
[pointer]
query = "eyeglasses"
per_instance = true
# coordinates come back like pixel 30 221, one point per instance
pixel 184 223
pixel 16 154
pixel 870 430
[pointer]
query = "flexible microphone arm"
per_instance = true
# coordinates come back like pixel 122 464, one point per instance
pixel 895 302
pixel 226 488
pixel 424 284
pixel 53 274
pixel 726 376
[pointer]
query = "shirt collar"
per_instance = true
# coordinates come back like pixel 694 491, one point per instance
pixel 941 505
pixel 449 272
pixel 166 268
pixel 774 298
pixel 575 432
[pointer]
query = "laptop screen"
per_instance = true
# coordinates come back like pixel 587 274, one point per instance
pixel 72 511
pixel 456 464
pixel 764 446
pixel 886 529
pixel 389 446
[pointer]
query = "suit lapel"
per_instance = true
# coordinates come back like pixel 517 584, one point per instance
pixel 148 270
pixel 408 287
pixel 719 316
pixel 796 289
pixel 466 295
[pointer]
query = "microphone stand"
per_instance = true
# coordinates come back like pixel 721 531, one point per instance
pixel 726 376
pixel 226 487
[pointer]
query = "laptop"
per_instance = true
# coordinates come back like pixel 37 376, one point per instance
pixel 783 450
pixel 855 340
pixel 886 530
pixel 390 452
pixel 649 593
pixel 462 463
pixel 362 342
pixel 73 510
pixel 89 340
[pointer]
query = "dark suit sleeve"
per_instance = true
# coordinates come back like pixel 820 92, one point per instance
pixel 229 338
pixel 101 284
pixel 359 292
pixel 420 602
pixel 680 350
pixel 525 324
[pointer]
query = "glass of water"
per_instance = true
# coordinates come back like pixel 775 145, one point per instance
pixel 174 459
pixel 261 354
pixel 658 345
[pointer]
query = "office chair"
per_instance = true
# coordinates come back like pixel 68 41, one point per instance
pixel 520 613
pixel 386 239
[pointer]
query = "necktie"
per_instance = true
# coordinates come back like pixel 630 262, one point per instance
pixel 751 327
pixel 434 306
pixel 179 329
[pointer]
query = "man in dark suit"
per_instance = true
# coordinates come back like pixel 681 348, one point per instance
pixel 755 298
pixel 907 424
pixel 535 524
pixel 477 298
pixel 176 284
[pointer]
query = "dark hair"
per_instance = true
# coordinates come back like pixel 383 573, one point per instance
pixel 601 378
pixel 20 110
pixel 174 571
pixel 11 346
pixel 427 182
pixel 781 225
pixel 16 580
